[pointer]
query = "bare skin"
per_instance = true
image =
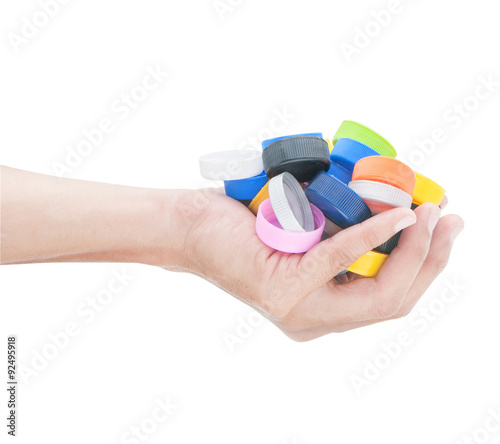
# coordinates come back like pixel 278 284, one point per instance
pixel 203 232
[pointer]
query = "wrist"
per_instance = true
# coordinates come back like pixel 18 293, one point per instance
pixel 158 234
pixel 190 218
pixel 174 217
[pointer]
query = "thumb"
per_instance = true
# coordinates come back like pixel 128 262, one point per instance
pixel 330 257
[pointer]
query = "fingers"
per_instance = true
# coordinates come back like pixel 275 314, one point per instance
pixel 331 306
pixel 337 308
pixel 367 299
pixel 401 268
pixel 445 233
pixel 444 202
pixel 336 254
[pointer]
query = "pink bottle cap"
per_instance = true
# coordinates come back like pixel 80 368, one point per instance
pixel 270 231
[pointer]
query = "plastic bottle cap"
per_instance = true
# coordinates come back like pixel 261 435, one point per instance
pixel 388 246
pixel 290 204
pixel 270 232
pixel 261 197
pixel 347 152
pixel 427 190
pixel 268 142
pixel 231 165
pixel 245 189
pixel 369 265
pixel 385 170
pixel 330 145
pixel 330 230
pixel 363 134
pixel 338 202
pixel 379 196
pixel 341 173
pixel 245 202
pixel 302 156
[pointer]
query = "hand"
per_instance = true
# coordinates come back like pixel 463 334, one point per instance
pixel 46 219
pixel 297 292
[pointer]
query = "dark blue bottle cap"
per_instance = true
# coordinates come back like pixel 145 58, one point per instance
pixel 388 246
pixel 341 173
pixel 268 142
pixel 245 202
pixel 337 201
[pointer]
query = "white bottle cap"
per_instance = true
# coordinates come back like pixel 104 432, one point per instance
pixel 290 204
pixel 231 165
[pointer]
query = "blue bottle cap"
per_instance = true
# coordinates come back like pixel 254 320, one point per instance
pixel 347 152
pixel 337 201
pixel 245 189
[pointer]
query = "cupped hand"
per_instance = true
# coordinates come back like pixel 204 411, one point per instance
pixel 297 292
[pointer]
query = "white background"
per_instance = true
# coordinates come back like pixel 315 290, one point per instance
pixel 163 335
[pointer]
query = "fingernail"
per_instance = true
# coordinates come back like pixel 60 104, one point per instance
pixel 455 232
pixel 444 202
pixel 434 216
pixel 404 223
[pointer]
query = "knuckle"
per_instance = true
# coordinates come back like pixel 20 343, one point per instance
pixel 344 248
pixel 420 254
pixel 278 311
pixel 367 238
pixel 341 259
pixel 298 337
pixel 401 313
pixel 371 240
pixel 387 308
pixel 439 265
pixel 296 322
pixel 290 324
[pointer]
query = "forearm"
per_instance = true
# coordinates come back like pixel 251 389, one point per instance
pixel 46 219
